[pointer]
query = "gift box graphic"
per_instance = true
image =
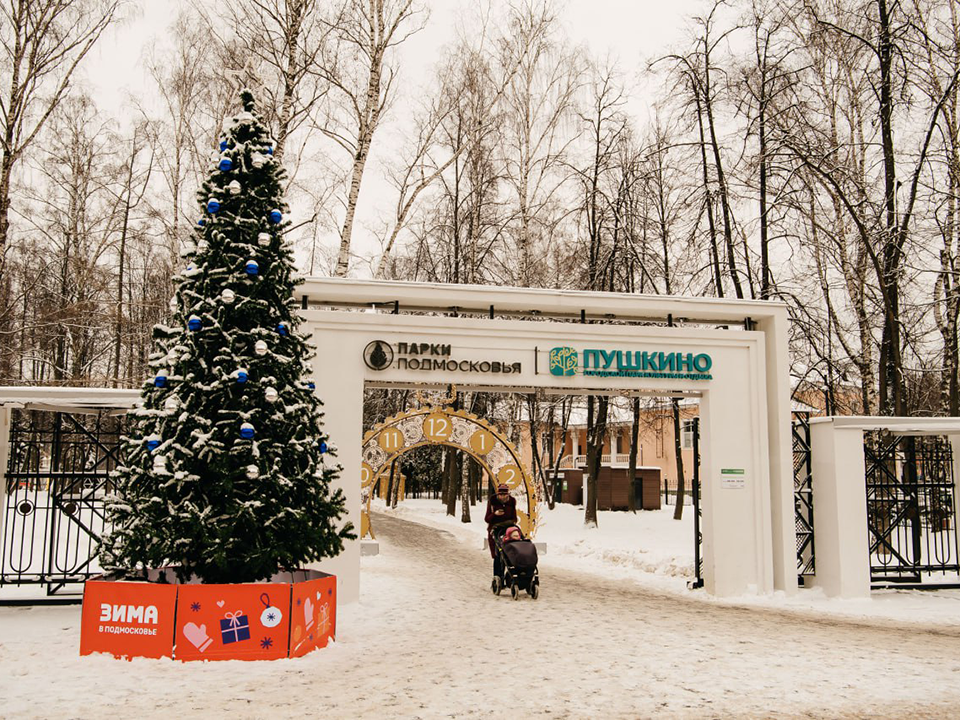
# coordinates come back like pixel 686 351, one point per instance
pixel 235 627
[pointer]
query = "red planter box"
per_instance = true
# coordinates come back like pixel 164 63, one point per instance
pixel 292 614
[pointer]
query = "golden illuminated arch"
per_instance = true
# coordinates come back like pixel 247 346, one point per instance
pixel 433 425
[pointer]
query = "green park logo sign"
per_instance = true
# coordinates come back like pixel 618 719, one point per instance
pixel 626 363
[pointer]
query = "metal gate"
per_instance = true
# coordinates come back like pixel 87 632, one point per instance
pixel 57 479
pixel 803 496
pixel 697 533
pixel 910 510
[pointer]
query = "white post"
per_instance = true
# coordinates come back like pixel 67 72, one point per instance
pixel 841 541
pixel 780 458
pixel 955 447
pixel 340 387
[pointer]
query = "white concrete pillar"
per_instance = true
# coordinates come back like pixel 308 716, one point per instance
pixel 340 388
pixel 841 538
pixel 783 521
pixel 955 446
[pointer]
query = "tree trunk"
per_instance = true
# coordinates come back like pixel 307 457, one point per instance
pixel 721 185
pixel 711 223
pixel 464 477
pixel 596 431
pixel 452 481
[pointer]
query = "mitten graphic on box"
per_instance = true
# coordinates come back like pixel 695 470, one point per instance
pixel 308 613
pixel 197 635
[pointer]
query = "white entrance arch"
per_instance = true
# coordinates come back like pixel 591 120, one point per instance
pixel 733 354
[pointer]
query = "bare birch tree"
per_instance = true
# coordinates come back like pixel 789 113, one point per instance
pixel 360 69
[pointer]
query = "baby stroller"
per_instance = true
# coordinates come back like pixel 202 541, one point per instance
pixel 518 564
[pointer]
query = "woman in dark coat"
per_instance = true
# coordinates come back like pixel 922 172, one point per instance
pixel 501 514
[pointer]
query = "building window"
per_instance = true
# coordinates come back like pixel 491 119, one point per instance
pixel 686 434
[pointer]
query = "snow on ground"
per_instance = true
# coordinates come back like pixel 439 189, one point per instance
pixel 615 634
pixel 656 551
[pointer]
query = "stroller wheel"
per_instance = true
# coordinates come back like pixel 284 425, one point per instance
pixel 535 589
pixel 514 592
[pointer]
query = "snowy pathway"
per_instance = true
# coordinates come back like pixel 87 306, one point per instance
pixel 429 640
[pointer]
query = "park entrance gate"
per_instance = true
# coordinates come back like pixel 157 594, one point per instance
pixel 731 354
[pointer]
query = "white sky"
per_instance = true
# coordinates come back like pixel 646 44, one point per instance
pixel 630 31
pixel 633 30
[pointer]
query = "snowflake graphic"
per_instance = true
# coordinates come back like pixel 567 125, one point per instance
pixel 298 601
pixel 266 643
pixel 195 607
pixel 271 617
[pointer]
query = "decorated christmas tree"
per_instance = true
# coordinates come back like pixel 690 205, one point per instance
pixel 226 470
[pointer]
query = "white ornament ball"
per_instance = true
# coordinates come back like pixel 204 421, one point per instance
pixel 234 188
pixel 160 462
pixel 257 160
pixel 260 348
pixel 228 296
pixel 271 394
pixel 264 239
pixel 171 403
pixel 253 472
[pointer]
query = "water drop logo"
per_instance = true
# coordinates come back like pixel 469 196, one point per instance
pixel 378 355
pixel 563 361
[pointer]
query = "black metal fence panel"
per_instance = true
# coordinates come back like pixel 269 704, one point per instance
pixel 911 511
pixel 803 496
pixel 697 533
pixel 56 483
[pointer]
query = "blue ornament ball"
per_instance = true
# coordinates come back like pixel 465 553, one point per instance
pixel 269 149
pixel 223 145
pixel 252 267
pixel 160 380
pixel 226 164
pixel 194 323
pixel 241 376
pixel 201 222
pixel 276 216
pixel 323 447
pixel 153 442
pixel 282 329
pixel 312 385
pixel 246 431
pixel 213 205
